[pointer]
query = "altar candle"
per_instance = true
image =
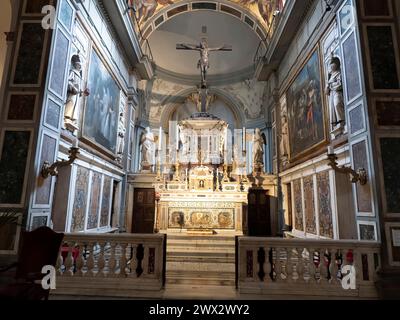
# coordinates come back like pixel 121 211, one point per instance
pixel 177 138
pixel 330 150
pixel 244 139
pixel 226 143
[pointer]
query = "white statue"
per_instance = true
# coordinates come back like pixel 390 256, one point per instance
pixel 74 92
pixel 258 149
pixel 334 90
pixel 147 147
pixel 121 135
pixel 284 142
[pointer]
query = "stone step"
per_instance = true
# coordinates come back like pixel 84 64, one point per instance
pixel 199 246
pixel 194 253
pixel 201 278
pixel 178 236
pixel 200 260
pixel 197 260
pixel 201 251
pixel 200 266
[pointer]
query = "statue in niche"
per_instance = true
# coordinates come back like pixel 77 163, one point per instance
pixel 258 150
pixel 284 143
pixel 147 142
pixel 74 92
pixel 121 135
pixel 334 90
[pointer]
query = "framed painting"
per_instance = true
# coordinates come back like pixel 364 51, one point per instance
pixel 100 121
pixel 306 111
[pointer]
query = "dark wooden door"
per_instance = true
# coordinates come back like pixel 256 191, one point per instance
pixel 143 211
pixel 259 214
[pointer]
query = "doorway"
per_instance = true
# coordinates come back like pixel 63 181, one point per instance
pixel 143 211
pixel 259 214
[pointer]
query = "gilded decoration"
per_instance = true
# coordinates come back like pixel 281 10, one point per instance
pixel 202 215
pixel 263 10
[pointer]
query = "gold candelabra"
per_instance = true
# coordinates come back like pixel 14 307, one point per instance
pixel 177 175
pixel 52 169
pixel 244 178
pixel 159 177
pixel 226 177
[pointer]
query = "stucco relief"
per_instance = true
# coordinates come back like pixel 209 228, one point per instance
pixel 156 93
pixel 251 95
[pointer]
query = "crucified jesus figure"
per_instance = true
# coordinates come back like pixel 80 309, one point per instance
pixel 204 50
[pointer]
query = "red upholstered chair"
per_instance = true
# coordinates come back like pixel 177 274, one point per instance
pixel 39 248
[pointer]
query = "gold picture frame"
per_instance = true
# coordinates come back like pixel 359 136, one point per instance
pixel 306 108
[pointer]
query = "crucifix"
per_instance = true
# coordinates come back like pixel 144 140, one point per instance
pixel 203 63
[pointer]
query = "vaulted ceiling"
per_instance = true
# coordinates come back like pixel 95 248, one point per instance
pixel 221 29
pixel 242 24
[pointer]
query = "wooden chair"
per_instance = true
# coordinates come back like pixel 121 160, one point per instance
pixel 39 248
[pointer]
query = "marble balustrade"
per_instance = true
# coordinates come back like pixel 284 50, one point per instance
pixel 308 268
pixel 116 265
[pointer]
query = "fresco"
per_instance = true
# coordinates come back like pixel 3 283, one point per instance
pixel 261 9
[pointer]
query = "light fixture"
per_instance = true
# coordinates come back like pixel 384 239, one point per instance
pixel 360 175
pixel 52 170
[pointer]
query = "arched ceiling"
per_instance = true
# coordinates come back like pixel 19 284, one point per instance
pixel 261 11
pixel 221 29
pixel 242 24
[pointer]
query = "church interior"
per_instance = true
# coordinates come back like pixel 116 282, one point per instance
pixel 201 148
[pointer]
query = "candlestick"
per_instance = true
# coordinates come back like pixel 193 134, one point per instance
pixel 244 139
pixel 177 138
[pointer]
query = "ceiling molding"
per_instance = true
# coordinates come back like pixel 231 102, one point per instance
pixel 252 19
pixel 212 80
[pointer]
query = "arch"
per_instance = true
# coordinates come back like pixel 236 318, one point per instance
pixel 168 12
pixel 173 102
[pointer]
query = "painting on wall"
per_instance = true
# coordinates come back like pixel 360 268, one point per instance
pixel 306 111
pixel 101 113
